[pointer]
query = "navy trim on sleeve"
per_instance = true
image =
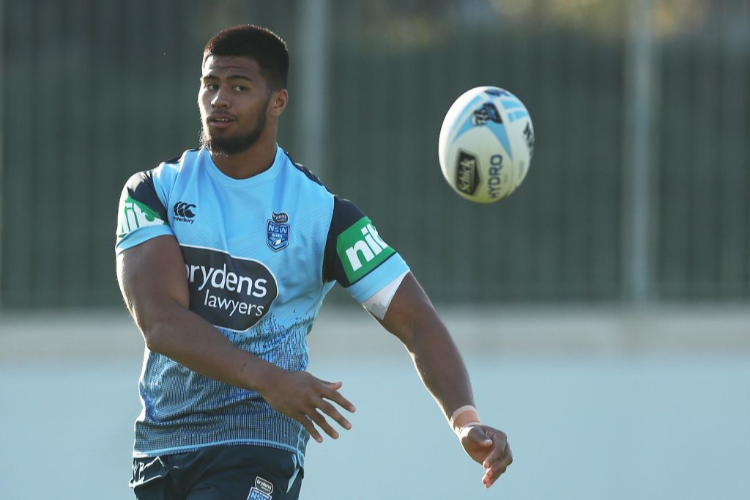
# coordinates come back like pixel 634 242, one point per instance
pixel 141 188
pixel 345 214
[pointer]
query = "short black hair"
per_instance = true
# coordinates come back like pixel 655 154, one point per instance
pixel 254 42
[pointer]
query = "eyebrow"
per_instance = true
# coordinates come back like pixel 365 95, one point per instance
pixel 211 76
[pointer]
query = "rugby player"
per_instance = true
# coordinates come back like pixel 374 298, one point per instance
pixel 224 257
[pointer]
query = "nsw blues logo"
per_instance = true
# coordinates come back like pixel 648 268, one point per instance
pixel 277 231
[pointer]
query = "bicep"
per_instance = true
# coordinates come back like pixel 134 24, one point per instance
pixel 152 277
pixel 410 311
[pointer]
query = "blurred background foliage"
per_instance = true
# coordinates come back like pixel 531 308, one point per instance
pixel 94 91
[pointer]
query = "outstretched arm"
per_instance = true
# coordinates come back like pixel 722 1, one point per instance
pixel 153 283
pixel 412 318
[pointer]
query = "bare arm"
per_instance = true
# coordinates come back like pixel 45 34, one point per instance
pixel 412 318
pixel 153 283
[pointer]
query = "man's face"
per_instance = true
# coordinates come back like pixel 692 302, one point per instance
pixel 233 101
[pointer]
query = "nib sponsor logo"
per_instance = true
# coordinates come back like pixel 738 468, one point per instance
pixel 227 291
pixel 365 249
pixel 134 215
pixel 361 249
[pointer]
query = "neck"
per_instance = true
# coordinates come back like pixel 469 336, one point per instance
pixel 253 161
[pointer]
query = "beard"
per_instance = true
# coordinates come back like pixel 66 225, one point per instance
pixel 232 144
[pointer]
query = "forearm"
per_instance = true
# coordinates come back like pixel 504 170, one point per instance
pixel 152 280
pixel 180 334
pixel 440 366
pixel 414 321
pixel 151 276
pixel 412 318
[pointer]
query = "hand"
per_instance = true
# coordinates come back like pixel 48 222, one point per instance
pixel 300 396
pixel 488 447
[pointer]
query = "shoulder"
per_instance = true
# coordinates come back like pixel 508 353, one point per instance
pixel 301 171
pixel 162 178
pixel 168 169
pixel 186 156
pixel 174 166
pixel 344 212
pixel 305 183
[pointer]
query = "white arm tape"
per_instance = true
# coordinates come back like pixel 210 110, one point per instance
pixel 378 304
pixel 460 411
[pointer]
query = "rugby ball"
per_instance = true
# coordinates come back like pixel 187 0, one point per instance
pixel 486 144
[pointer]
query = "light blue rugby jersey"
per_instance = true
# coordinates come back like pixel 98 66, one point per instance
pixel 260 255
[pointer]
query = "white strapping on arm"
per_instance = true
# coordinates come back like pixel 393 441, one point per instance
pixel 463 417
pixel 378 304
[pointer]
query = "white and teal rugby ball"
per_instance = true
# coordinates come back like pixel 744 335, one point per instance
pixel 486 144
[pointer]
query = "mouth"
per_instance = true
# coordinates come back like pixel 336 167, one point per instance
pixel 219 121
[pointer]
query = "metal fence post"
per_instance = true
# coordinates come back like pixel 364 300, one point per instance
pixel 312 71
pixel 639 220
pixel 2 138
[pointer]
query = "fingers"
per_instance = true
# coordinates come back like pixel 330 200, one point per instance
pixel 321 422
pixel 333 385
pixel 497 466
pixel 499 442
pixel 477 434
pixel 332 412
pixel 313 417
pixel 334 395
pixel 309 427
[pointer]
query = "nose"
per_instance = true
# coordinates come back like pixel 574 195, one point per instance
pixel 220 99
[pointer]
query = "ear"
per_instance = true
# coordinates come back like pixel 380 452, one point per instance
pixel 278 102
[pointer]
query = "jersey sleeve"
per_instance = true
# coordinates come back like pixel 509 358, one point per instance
pixel 142 214
pixel 356 256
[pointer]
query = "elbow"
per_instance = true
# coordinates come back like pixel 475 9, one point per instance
pixel 158 322
pixel 153 331
pixel 411 339
pixel 152 340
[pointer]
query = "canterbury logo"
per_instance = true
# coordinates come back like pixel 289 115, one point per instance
pixel 183 212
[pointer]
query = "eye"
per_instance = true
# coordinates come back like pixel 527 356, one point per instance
pixel 239 88
pixel 210 86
